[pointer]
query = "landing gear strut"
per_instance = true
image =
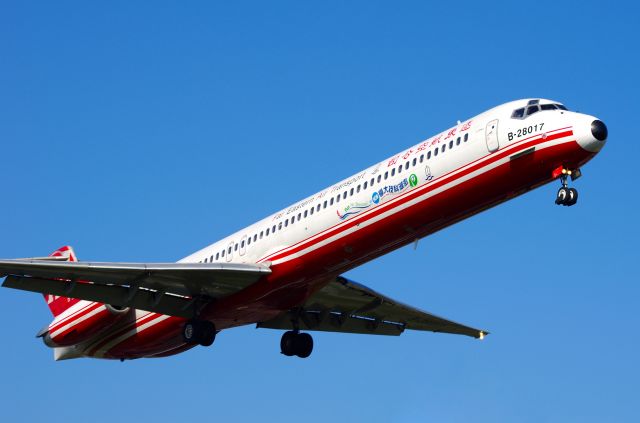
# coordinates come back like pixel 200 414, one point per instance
pixel 295 343
pixel 567 196
pixel 201 332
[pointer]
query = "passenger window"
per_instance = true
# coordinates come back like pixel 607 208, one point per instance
pixel 344 195
pixel 393 171
pixel 406 165
pixel 386 174
pixel 444 146
pixel 268 229
pixel 415 160
pixel 217 256
pixel 458 141
pixel 435 152
pixel 338 198
pixel 399 169
pixel 249 241
pixel 235 248
pixel 372 181
pixel 379 178
pixel 358 188
pixel 311 211
pixel 365 185
pixel 331 201
pixel 222 255
pixel 450 144
pixel 299 216
pixel 242 244
pixel 273 229
pixel 318 207
pixel 351 192
pixel 421 158
pixel 428 154
pixel 255 237
pixel 466 137
pixel 286 223
pixel 305 214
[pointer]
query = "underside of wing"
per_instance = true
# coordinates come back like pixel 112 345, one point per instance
pixel 176 289
pixel 347 306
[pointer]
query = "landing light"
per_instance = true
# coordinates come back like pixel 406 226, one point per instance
pixel 481 337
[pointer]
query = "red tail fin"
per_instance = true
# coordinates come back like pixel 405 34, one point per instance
pixel 59 304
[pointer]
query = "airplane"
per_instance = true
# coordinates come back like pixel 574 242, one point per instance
pixel 284 272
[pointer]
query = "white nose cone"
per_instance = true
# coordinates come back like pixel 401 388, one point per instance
pixel 591 133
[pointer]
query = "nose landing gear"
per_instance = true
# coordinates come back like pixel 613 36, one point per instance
pixel 567 196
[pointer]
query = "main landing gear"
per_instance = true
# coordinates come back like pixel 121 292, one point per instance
pixel 567 196
pixel 295 343
pixel 202 332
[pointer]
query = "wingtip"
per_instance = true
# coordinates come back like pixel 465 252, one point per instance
pixel 482 334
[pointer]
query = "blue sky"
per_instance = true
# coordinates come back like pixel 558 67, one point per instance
pixel 140 132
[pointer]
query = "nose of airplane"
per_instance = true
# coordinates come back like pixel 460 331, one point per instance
pixel 599 130
pixel 591 133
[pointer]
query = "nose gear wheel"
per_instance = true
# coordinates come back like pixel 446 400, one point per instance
pixel 566 196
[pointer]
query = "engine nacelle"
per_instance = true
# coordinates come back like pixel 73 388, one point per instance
pixel 83 324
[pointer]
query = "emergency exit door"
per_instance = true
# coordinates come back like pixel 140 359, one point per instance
pixel 491 134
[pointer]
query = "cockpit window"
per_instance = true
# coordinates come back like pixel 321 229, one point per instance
pixel 534 106
pixel 518 113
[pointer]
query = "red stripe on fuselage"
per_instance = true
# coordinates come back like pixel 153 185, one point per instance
pixel 75 316
pixel 336 229
pixel 509 148
pixel 121 331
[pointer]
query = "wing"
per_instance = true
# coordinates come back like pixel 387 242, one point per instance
pixel 176 289
pixel 347 306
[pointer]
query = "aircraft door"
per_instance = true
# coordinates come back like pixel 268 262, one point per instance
pixel 491 135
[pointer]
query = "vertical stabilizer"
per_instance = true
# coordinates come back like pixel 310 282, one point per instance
pixel 58 304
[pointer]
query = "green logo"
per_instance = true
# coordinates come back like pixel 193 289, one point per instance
pixel 413 180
